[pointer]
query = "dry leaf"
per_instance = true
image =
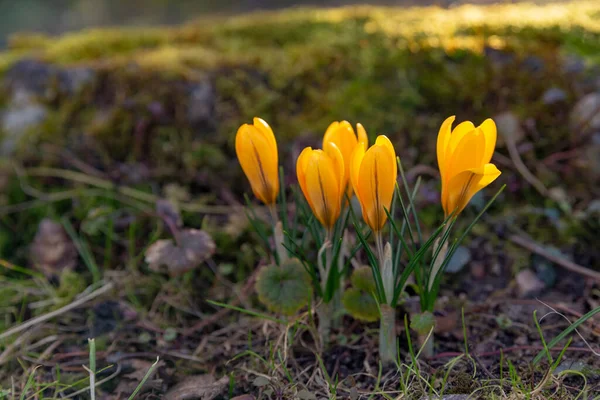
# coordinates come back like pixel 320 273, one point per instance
pixel 52 249
pixel 201 387
pixel 169 213
pixel 244 397
pixel 193 248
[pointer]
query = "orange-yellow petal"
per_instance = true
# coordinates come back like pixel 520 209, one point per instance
pixel 376 182
pixel 462 187
pixel 355 161
pixel 335 155
pixel 258 159
pixel 457 135
pixel 362 136
pixel 468 153
pixel 301 165
pixel 443 140
pixel 266 130
pixel 323 188
pixel 489 130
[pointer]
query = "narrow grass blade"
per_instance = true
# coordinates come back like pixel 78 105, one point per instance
pixel 459 241
pixel 410 200
pixel 83 250
pixel 144 379
pixel 249 312
pixel 566 332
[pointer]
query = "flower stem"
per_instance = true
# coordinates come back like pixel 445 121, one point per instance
pixel 339 293
pixel 437 263
pixel 278 237
pixel 325 314
pixel 427 344
pixel 387 335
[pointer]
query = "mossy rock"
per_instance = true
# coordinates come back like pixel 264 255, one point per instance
pixel 284 289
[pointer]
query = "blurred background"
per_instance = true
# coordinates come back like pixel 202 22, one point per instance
pixel 117 125
pixel 59 16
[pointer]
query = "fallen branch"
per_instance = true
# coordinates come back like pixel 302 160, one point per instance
pixel 498 352
pixel 570 265
pixel 43 318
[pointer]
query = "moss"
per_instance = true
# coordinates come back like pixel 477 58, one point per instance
pixel 398 71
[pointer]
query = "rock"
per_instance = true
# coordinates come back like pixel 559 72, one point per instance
pixel 585 116
pixel 201 104
pixel 72 80
pixel 591 156
pixel 533 63
pixel 573 64
pixel 478 270
pixel 29 83
pixel 529 284
pixel 21 116
pixel 499 58
pixel 31 76
pixel 52 250
pixel 460 258
pixel 554 95
pixel 509 127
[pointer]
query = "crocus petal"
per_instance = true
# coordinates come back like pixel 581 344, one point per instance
pixel 489 130
pixel 457 135
pixel 383 140
pixel 442 143
pixel 363 138
pixel 462 187
pixel 323 188
pixel 376 183
pixel 266 130
pixel 338 164
pixel 259 162
pixel 468 154
pixel 355 161
pixel 301 165
pixel 327 137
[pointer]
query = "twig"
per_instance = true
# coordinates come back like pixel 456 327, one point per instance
pixel 449 354
pixel 522 168
pixel 43 318
pixel 571 266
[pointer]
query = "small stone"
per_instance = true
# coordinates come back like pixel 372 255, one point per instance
pixel 477 270
pixel 201 103
pixel 585 116
pixel 554 95
pixel 21 116
pixel 529 284
pixel 573 64
pixel 460 258
pixel 52 250
pixel 509 128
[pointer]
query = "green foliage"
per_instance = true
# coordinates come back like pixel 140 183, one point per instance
pixel 71 284
pixel 362 279
pixel 422 323
pixel 360 304
pixel 284 289
pixel 359 300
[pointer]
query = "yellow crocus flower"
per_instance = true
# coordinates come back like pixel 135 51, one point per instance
pixel 464 154
pixel 373 173
pixel 256 150
pixel 321 175
pixel 342 135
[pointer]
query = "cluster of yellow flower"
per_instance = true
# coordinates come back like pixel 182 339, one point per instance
pixel 346 164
